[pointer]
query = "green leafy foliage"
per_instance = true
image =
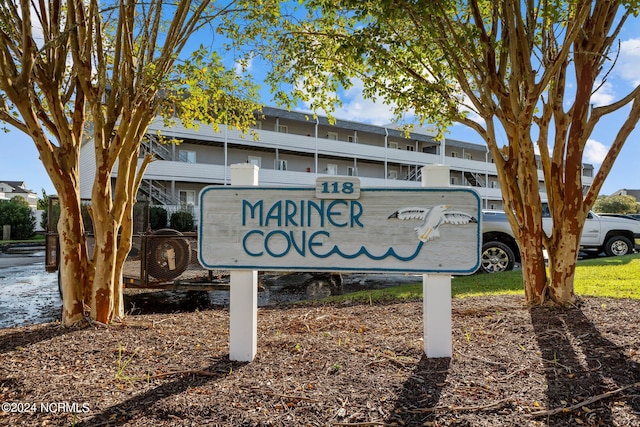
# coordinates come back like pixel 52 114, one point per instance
pixel 182 221
pixel 203 91
pixel 157 217
pixel 17 214
pixel 616 204
pixel 43 205
pixel 388 45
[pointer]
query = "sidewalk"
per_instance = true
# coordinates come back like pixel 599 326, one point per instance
pixel 22 248
pixel 14 260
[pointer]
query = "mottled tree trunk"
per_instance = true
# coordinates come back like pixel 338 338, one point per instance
pixel 112 209
pixel 531 233
pixel 124 247
pixel 562 269
pixel 534 274
pixel 562 249
pixel 73 262
pixel 102 290
pixel 113 243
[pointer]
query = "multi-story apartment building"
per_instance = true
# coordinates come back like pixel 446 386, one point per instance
pixel 293 148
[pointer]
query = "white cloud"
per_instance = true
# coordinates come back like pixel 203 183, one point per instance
pixel 604 96
pixel 595 152
pixel 629 61
pixel 356 107
pixel 360 109
pixel 467 106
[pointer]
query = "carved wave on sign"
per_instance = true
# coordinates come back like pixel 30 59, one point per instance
pixel 364 252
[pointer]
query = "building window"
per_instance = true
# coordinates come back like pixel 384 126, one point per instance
pixel 283 128
pixel 393 174
pixel 494 184
pixel 455 154
pixel 468 156
pixel 393 145
pixel 255 160
pixel 351 138
pixel 187 156
pixel 411 148
pixel 332 136
pixel 187 197
pixel 332 169
pixel 352 171
pixel 454 180
pixel 280 165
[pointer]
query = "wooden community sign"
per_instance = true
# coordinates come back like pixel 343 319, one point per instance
pixel 337 226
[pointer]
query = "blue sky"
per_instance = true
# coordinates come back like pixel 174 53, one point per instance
pixel 19 159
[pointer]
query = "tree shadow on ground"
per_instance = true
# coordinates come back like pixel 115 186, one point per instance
pixel 25 338
pixel 421 390
pixel 125 412
pixel 581 364
pixel 155 301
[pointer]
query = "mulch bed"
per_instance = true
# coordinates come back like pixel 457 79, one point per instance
pixel 336 365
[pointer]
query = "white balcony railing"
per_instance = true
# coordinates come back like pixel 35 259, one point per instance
pixel 215 173
pixel 309 145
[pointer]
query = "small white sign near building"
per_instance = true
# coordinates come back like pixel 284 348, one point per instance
pixel 336 226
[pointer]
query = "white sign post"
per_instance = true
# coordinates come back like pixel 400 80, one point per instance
pixel 243 297
pixel 436 288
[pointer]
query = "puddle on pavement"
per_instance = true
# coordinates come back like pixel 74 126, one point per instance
pixel 29 295
pixel 275 289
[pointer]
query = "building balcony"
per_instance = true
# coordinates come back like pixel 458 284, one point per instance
pixel 216 174
pixel 310 145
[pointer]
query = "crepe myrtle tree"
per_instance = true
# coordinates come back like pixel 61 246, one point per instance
pixel 72 70
pixel 527 69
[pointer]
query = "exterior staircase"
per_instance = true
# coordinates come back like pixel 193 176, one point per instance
pixel 152 144
pixel 156 192
pixel 474 179
pixel 415 174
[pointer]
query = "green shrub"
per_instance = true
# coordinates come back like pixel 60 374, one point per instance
pixel 157 217
pixel 17 213
pixel 182 221
pixel 43 205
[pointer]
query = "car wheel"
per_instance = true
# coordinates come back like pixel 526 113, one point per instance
pixel 617 246
pixel 496 257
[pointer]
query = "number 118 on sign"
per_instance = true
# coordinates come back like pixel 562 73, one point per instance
pixel 337 188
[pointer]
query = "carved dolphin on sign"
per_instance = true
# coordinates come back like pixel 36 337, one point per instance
pixel 433 218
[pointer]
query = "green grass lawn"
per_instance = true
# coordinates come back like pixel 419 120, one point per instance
pixel 38 238
pixel 616 277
